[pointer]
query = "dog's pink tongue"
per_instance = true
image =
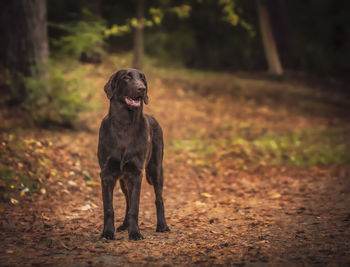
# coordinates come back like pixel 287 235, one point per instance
pixel 131 102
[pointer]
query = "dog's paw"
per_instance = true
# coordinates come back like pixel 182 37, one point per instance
pixel 122 227
pixel 162 228
pixel 108 235
pixel 135 236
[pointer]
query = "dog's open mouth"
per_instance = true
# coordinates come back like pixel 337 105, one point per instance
pixel 133 102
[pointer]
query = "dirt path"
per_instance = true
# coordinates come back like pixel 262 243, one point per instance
pixel 224 216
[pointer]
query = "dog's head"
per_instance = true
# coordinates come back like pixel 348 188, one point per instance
pixel 128 86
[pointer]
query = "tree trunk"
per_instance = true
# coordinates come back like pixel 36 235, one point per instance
pixel 269 43
pixel 96 8
pixel 24 32
pixel 281 28
pixel 138 36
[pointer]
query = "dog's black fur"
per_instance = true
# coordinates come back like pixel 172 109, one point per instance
pixel 129 141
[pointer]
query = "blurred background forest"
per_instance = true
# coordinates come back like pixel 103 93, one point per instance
pixel 311 36
pixel 254 102
pixel 306 37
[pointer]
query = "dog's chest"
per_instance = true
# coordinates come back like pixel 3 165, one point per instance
pixel 129 141
pixel 123 137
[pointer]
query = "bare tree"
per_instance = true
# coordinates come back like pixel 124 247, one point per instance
pixel 269 43
pixel 138 35
pixel 24 33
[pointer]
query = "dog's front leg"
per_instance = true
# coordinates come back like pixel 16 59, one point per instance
pixel 134 189
pixel 108 183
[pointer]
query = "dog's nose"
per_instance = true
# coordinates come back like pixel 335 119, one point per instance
pixel 141 89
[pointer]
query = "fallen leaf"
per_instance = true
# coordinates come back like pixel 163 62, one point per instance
pixel 207 195
pixel 86 174
pixel 45 218
pixel 93 183
pixel 72 183
pixel 275 195
pixel 14 201
pixel 86 207
pixel 199 203
pixel 24 191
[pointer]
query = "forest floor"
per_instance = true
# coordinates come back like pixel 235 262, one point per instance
pixel 256 173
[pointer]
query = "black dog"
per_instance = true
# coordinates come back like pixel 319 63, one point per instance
pixel 129 141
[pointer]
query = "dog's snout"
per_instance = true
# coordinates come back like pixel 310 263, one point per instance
pixel 141 89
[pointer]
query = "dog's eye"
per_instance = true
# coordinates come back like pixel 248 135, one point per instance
pixel 126 78
pixel 143 78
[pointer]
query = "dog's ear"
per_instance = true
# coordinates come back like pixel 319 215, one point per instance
pixel 145 99
pixel 109 87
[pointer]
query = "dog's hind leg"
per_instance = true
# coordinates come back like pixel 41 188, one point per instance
pixel 154 173
pixel 124 225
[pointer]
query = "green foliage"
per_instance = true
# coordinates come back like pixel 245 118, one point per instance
pixel 13 180
pixel 233 15
pixel 182 11
pixel 52 98
pixel 157 15
pixel 306 148
pixel 85 36
pixel 228 9
pixel 194 146
pixel 169 47
pixel 215 42
pixel 223 34
pixel 8 179
pixel 118 30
